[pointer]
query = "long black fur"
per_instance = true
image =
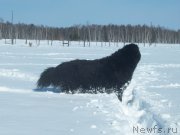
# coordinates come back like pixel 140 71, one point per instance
pixel 109 74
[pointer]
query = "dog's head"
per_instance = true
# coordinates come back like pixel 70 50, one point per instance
pixel 132 53
pixel 126 57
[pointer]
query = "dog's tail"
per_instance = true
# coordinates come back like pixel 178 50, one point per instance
pixel 46 78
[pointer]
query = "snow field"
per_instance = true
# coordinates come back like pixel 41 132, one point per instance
pixel 151 99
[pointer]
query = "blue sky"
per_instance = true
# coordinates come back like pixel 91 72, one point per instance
pixel 69 12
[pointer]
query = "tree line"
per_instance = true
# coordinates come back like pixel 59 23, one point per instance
pixel 90 33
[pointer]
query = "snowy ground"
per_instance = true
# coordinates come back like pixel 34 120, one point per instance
pixel 150 101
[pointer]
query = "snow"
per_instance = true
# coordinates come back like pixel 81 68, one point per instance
pixel 151 101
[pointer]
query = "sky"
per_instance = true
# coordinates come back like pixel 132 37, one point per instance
pixel 64 13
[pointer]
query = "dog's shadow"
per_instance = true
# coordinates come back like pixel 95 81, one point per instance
pixel 49 89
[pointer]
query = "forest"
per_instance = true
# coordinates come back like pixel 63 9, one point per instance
pixel 90 33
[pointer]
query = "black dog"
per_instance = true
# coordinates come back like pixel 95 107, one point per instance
pixel 109 74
